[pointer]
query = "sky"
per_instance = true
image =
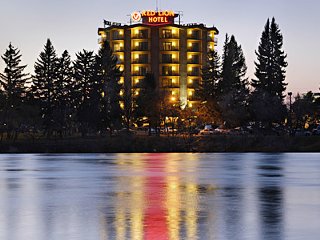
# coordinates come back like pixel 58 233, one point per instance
pixel 72 25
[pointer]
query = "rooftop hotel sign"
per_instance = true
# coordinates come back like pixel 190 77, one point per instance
pixel 156 18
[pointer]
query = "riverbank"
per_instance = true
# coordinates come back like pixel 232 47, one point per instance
pixel 135 143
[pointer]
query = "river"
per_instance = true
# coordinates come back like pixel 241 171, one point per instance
pixel 160 196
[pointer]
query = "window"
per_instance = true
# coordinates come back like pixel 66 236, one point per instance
pixel 167 46
pixel 143 46
pixel 167 58
pixel 166 33
pixel 167 70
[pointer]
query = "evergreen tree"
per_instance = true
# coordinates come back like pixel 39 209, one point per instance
pixel 44 82
pixel 63 92
pixel 13 82
pixel 211 75
pixel 209 91
pixel 84 76
pixel 268 95
pixel 147 102
pixel 270 68
pixel 108 75
pixel 233 87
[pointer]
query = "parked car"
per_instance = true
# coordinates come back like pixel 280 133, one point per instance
pixel 316 131
pixel 206 131
pixel 301 132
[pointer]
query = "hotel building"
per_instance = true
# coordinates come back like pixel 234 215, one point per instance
pixel 155 43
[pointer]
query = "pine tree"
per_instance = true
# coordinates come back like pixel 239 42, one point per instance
pixel 63 92
pixel 211 75
pixel 148 101
pixel 233 87
pixel 270 68
pixel 108 75
pixel 44 82
pixel 267 98
pixel 13 83
pixel 84 75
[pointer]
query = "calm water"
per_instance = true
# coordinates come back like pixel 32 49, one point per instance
pixel 160 196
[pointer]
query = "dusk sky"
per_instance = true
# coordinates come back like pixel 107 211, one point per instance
pixel 73 24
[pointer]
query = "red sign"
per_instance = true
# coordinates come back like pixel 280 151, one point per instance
pixel 158 17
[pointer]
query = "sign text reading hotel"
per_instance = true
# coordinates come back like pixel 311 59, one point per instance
pixel 158 16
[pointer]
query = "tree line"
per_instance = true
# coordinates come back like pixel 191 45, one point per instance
pixel 84 96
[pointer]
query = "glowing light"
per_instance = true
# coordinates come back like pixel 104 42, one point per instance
pixel 121 81
pixel 136 31
pixel 173 98
pixel 173 93
pixel 137 80
pixel 136 68
pixel 121 93
pixel 173 80
pixel 174 56
pixel 136 44
pixel 136 93
pixel 173 44
pixel 136 56
pixel 190 81
pixel 121 32
pixel 190 93
pixel 190 104
pixel 173 68
pixel 174 31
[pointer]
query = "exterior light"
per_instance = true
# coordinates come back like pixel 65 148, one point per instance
pixel 136 68
pixel 137 80
pixel 173 44
pixel 121 44
pixel 190 104
pixel 173 56
pixel 121 81
pixel 190 44
pixel 173 99
pixel 136 31
pixel 174 31
pixel 173 80
pixel 136 44
pixel 121 32
pixel 121 57
pixel 136 56
pixel 190 93
pixel 136 93
pixel 190 32
pixel 189 69
pixel 173 68
pixel 190 56
pixel 121 93
pixel 121 68
pixel 121 105
pixel 190 81
pixel 173 93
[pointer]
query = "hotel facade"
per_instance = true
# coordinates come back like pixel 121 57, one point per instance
pixel 155 42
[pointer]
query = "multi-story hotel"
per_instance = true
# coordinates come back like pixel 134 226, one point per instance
pixel 154 43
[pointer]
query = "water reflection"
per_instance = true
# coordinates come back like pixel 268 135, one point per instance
pixel 160 196
pixel 161 204
pixel 270 171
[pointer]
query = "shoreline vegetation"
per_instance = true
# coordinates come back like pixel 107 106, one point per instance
pixel 151 144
